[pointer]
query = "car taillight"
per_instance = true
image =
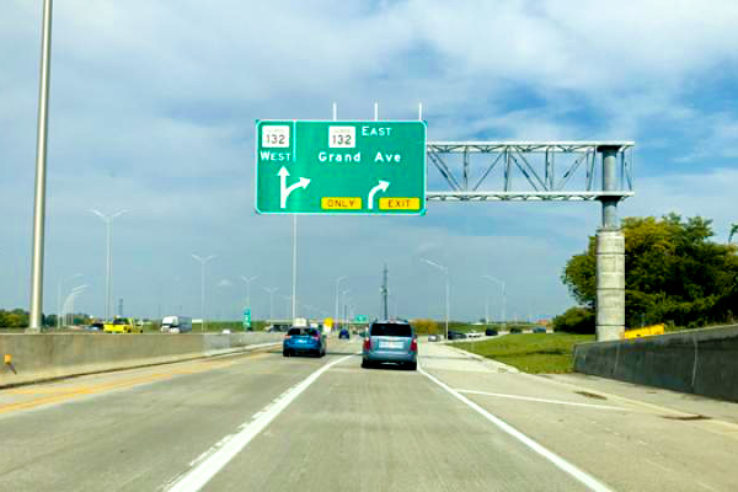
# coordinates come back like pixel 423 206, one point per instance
pixel 287 336
pixel 316 338
pixel 414 345
pixel 367 343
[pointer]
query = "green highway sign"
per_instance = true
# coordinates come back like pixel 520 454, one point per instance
pixel 361 318
pixel 247 318
pixel 340 167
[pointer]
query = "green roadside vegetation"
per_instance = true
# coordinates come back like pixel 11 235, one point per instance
pixel 676 273
pixel 436 327
pixel 530 352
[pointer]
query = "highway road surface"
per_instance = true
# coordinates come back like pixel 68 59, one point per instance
pixel 261 422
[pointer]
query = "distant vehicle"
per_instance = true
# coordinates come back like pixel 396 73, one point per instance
pixel 516 329
pixel 226 331
pixel 304 341
pixel 474 334
pixel 539 329
pixel 122 325
pixel 96 326
pixel 456 335
pixel 490 332
pixel 176 324
pixel 390 341
pixel 344 333
pixel 277 328
pixel 301 323
pixel 433 338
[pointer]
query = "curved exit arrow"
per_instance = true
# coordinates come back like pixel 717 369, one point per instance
pixel 383 185
pixel 284 190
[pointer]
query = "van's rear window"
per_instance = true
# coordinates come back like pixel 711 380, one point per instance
pixel 303 331
pixel 391 330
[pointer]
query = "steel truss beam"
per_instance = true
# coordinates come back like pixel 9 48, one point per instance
pixel 547 170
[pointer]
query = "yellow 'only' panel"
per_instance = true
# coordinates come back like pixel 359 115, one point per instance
pixel 398 203
pixel 340 203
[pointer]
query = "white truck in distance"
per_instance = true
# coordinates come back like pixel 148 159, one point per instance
pixel 176 324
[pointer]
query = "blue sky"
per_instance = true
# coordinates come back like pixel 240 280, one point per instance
pixel 153 108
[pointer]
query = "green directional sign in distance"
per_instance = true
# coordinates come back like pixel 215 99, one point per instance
pixel 340 167
pixel 361 318
pixel 246 318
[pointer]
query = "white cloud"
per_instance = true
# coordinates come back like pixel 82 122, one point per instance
pixel 153 108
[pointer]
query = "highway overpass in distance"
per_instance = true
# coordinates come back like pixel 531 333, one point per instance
pixel 259 421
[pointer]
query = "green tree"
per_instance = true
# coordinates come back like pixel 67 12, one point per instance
pixel 733 231
pixel 673 272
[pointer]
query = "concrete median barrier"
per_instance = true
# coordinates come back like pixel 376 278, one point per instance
pixel 703 362
pixel 38 357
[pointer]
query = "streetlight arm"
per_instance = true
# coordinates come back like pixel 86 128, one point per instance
pixel 435 265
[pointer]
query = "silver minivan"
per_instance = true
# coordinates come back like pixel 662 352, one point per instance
pixel 390 341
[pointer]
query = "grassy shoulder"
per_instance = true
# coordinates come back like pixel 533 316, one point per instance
pixel 530 352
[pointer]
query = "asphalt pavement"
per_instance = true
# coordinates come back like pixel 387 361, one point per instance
pixel 263 422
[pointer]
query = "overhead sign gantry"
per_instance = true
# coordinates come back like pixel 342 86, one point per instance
pixel 341 167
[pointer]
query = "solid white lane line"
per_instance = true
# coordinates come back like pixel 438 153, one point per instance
pixel 216 458
pixel 579 475
pixel 543 400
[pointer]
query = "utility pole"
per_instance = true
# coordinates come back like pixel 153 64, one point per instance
pixel 385 291
pixel 39 205
pixel 294 267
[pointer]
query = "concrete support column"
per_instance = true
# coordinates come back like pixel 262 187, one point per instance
pixel 610 285
pixel 610 303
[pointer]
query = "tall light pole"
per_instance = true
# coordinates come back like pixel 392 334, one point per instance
pixel 271 291
pixel 248 281
pixel 108 219
pixel 338 283
pixel 58 297
pixel 294 266
pixel 343 304
pixel 203 261
pixel 501 283
pixel 448 287
pixel 39 203
pixel 69 301
pixel 289 303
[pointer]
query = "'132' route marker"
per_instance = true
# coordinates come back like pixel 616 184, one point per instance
pixel 340 167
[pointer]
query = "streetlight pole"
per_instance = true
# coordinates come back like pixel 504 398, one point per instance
pixel 108 219
pixel 58 297
pixel 501 283
pixel 69 301
pixel 338 282
pixel 203 261
pixel 271 291
pixel 343 304
pixel 448 287
pixel 39 204
pixel 248 281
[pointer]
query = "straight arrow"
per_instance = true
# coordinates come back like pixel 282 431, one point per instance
pixel 383 185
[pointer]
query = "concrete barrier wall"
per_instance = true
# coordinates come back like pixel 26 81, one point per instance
pixel 46 356
pixel 703 362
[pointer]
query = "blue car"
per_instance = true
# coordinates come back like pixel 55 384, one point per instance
pixel 390 341
pixel 304 341
pixel 344 334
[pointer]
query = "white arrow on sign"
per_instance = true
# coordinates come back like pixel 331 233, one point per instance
pixel 383 185
pixel 284 190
